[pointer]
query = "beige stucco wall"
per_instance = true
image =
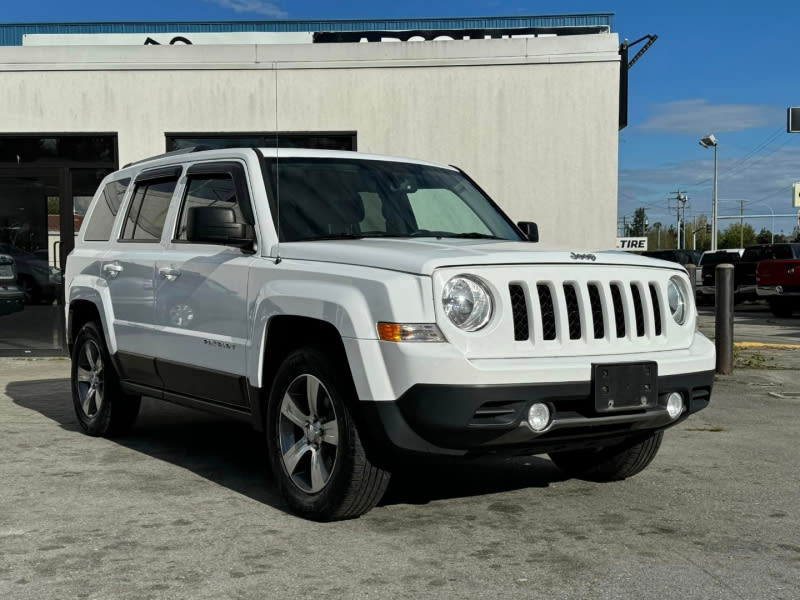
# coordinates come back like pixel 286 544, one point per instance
pixel 533 121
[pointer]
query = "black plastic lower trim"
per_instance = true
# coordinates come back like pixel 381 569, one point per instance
pixel 459 419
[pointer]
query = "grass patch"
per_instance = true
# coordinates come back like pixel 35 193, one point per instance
pixel 750 359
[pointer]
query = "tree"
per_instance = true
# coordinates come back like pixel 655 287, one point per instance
pixel 736 237
pixel 638 226
pixel 765 236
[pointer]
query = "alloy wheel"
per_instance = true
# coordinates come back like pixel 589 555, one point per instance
pixel 91 379
pixel 309 433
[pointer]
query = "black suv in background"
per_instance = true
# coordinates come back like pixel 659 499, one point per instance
pixel 682 257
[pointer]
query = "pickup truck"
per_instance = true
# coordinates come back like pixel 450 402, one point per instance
pixel 744 275
pixel 778 282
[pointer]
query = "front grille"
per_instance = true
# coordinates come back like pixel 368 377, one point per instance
pixel 605 306
pixel 619 311
pixel 597 311
pixel 519 310
pixel 656 308
pixel 637 309
pixel 548 313
pixel 573 312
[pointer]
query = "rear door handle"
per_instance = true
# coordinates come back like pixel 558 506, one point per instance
pixel 113 269
pixel 169 274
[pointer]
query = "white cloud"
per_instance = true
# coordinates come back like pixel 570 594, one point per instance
pixel 269 9
pixel 763 181
pixel 698 117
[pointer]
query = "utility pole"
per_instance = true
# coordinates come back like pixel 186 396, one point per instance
pixel 741 224
pixel 679 201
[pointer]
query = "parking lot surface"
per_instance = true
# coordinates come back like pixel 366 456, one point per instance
pixel 182 508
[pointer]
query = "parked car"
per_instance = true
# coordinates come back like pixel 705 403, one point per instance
pixel 35 276
pixel 12 299
pixel 710 260
pixel 744 278
pixel 358 308
pixel 778 282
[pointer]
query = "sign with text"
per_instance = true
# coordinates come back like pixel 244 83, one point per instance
pixel 164 39
pixel 793 120
pixel 796 194
pixel 632 243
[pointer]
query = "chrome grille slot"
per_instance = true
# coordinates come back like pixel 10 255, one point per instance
pixel 638 310
pixel 547 311
pixel 597 311
pixel 573 311
pixel 519 310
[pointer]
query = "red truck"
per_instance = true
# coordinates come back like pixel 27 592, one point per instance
pixel 778 282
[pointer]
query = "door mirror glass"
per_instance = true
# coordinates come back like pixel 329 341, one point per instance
pixel 530 229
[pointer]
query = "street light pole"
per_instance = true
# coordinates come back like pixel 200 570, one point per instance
pixel 708 142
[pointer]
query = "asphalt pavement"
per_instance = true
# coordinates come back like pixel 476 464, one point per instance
pixel 183 508
pixel 754 323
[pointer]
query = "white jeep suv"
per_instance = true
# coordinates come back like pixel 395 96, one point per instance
pixel 358 308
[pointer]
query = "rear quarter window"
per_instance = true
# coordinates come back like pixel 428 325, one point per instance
pixel 101 222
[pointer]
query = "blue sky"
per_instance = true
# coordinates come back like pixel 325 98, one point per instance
pixel 726 67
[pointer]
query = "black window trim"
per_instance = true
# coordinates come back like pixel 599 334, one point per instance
pixel 148 177
pixel 171 172
pixel 237 172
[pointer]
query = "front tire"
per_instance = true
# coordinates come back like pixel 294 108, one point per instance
pixel 609 464
pixel 102 408
pixel 315 451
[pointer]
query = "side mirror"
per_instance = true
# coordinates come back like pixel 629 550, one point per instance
pixel 530 229
pixel 217 225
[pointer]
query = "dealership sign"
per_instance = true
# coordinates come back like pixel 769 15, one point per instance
pixel 286 37
pixel 632 243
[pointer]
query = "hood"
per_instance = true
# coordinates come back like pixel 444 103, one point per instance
pixel 423 256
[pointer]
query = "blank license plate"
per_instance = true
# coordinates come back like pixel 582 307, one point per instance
pixel 625 386
pixel 6 272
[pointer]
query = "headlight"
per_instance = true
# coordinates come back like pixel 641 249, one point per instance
pixel 467 302
pixel 676 296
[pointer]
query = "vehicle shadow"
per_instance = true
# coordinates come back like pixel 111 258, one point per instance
pixel 231 454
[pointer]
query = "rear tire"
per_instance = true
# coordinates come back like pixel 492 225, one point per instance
pixel 609 464
pixel 315 451
pixel 102 408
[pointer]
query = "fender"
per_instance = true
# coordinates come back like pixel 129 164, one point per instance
pixel 95 290
pixel 352 307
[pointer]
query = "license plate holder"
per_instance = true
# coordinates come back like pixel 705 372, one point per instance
pixel 624 386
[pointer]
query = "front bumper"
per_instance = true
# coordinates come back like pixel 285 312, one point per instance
pixel 778 291
pixel 462 419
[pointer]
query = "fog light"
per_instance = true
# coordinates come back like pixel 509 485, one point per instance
pixel 674 405
pixel 539 416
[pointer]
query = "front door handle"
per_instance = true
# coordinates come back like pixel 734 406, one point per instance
pixel 169 273
pixel 113 269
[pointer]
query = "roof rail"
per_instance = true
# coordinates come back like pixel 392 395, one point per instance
pixel 188 150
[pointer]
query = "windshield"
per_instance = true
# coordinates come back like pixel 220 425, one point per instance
pixel 322 198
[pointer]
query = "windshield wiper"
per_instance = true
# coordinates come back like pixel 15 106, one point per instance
pixel 473 235
pixel 352 236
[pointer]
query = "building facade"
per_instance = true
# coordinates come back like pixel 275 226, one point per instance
pixel 532 114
